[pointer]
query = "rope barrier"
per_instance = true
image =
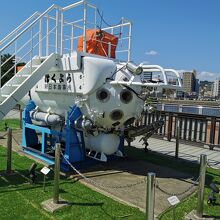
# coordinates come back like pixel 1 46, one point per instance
pixel 100 184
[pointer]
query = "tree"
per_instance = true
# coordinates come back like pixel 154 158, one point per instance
pixel 7 66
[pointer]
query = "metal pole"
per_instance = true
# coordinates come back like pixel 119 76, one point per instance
pixel 44 183
pixel 61 34
pixel 150 196
pixel 84 25
pixel 56 173
pixel 177 140
pixel 129 42
pixel 57 31
pixel 47 36
pixel 109 49
pixel 40 38
pixel 9 150
pixel 31 52
pixel 200 204
pixel 72 38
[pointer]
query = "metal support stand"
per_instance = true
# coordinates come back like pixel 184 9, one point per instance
pixel 150 200
pixel 200 204
pixel 44 183
pixel 174 212
pixel 177 141
pixel 9 150
pixel 57 174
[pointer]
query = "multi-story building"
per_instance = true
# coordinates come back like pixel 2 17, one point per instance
pixel 189 82
pixel 205 88
pixel 216 88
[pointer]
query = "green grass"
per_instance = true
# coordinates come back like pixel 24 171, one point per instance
pixel 11 123
pixel 21 200
pixel 189 203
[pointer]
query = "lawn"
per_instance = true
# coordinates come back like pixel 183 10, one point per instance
pixel 12 123
pixel 21 200
pixel 188 204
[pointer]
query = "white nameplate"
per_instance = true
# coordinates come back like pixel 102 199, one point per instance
pixel 173 200
pixel 45 170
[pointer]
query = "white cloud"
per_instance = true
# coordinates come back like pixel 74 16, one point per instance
pixel 151 53
pixel 204 75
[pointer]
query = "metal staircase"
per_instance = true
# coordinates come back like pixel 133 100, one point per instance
pixel 43 37
pixel 19 85
pixel 28 43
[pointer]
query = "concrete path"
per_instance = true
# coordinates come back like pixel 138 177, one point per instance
pixel 117 175
pixel 187 151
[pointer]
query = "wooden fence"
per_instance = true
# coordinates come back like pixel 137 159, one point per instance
pixel 192 127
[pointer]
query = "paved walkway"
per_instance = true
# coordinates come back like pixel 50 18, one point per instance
pixel 187 151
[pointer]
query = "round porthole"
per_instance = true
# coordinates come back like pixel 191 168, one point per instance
pixel 126 96
pixel 116 115
pixel 103 95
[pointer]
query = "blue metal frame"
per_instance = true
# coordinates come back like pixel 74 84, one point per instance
pixel 74 139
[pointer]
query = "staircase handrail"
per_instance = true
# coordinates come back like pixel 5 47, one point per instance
pixel 29 26
pixel 18 28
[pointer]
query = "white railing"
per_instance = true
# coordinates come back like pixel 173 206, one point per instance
pixel 163 82
pixel 58 30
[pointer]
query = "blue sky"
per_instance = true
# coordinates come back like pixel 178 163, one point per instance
pixel 181 34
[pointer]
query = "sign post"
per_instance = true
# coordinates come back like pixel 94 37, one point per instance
pixel 45 171
pixel 173 200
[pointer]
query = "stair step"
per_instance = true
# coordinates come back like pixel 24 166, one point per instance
pixel 34 66
pixel 22 75
pixel 5 96
pixel 12 85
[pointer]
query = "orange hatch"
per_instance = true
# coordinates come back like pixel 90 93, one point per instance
pixel 18 68
pixel 98 41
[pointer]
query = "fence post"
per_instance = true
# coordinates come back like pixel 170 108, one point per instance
pixel 150 198
pixel 9 150
pixel 177 139
pixel 212 131
pixel 56 173
pixel 169 127
pixel 20 111
pixel 202 172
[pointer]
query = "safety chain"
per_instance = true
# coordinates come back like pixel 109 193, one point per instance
pixel 16 141
pixel 99 184
pixel 177 194
pixel 213 166
pixel 2 136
